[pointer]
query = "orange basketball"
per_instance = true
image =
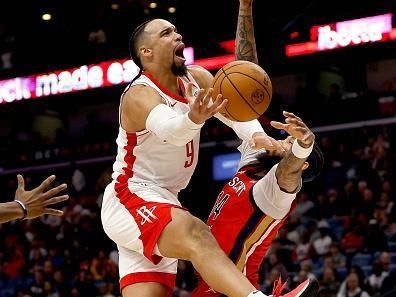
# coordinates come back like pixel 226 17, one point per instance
pixel 247 88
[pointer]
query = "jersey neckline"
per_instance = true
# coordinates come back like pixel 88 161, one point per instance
pixel 166 90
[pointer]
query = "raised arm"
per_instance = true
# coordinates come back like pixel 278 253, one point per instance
pixel 245 42
pixel 291 166
pixel 275 192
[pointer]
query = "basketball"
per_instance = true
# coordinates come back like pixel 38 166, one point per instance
pixel 247 88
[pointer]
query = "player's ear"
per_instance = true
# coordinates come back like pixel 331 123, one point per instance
pixel 305 166
pixel 145 51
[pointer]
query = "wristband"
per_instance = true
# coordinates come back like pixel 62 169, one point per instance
pixel 301 152
pixel 23 207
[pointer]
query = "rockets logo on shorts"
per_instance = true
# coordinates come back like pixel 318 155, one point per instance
pixel 146 214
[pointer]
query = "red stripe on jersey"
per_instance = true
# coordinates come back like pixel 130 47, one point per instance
pixel 129 160
pixel 164 89
pixel 151 217
pixel 167 279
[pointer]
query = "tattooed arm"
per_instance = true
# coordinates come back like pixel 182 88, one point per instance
pixel 290 168
pixel 245 43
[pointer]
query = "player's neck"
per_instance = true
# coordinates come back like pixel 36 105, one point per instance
pixel 165 78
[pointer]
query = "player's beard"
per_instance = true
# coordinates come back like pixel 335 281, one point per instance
pixel 179 70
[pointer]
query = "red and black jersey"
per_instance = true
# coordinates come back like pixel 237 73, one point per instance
pixel 242 230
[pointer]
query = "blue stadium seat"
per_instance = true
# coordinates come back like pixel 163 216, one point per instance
pixel 377 255
pixel 392 246
pixel 335 223
pixel 338 232
pixel 291 274
pixel 367 270
pixel 342 273
pixel 318 272
pixel 362 259
pixel 393 258
pixel 317 264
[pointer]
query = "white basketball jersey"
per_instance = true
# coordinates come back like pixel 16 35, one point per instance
pixel 144 158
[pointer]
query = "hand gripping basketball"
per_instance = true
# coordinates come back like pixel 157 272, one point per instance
pixel 201 106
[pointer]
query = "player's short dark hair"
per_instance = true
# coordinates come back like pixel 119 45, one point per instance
pixel 133 42
pixel 133 47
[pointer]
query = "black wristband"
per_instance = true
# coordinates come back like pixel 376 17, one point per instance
pixel 23 208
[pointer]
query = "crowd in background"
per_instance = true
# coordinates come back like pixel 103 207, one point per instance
pixel 343 231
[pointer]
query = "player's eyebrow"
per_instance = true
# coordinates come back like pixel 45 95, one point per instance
pixel 166 29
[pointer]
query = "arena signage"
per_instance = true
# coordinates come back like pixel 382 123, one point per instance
pixel 86 77
pixel 345 34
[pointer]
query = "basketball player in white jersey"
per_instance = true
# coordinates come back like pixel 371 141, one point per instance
pixel 161 114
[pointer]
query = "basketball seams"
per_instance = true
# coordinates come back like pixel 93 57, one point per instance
pixel 216 78
pixel 225 107
pixel 247 101
pixel 232 66
pixel 264 87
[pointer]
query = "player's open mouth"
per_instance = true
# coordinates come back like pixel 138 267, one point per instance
pixel 179 52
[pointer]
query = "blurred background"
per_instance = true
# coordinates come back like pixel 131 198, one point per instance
pixel 63 66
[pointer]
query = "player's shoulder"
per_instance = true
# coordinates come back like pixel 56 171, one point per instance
pixel 138 95
pixel 136 91
pixel 202 76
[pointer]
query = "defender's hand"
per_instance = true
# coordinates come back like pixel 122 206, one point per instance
pixel 38 200
pixel 295 127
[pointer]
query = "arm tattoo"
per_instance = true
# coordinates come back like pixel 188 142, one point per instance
pixel 289 172
pixel 245 42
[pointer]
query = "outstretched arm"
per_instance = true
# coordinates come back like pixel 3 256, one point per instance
pixel 291 166
pixel 276 191
pixel 10 211
pixel 245 42
pixel 34 203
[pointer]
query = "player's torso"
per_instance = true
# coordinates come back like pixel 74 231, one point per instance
pixel 154 160
pixel 243 231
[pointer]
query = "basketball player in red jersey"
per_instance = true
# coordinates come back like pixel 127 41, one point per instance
pixel 255 203
pixel 251 208
pixel 161 114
